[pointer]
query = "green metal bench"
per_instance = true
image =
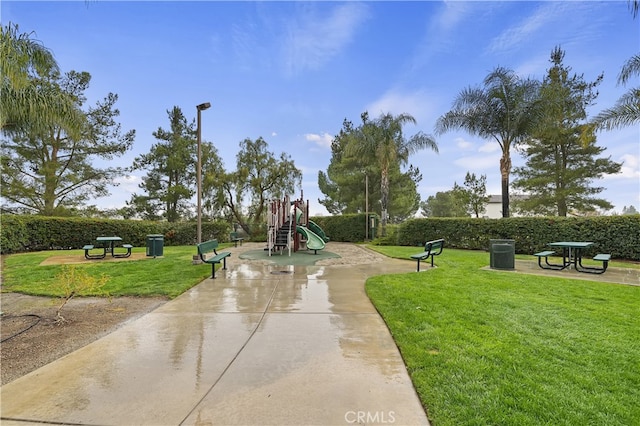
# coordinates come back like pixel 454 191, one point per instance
pixel 431 248
pixel 235 239
pixel 206 249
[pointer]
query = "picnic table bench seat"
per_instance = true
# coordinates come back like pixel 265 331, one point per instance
pixel 207 249
pixel 87 252
pixel 431 249
pixel 600 257
pixel 128 247
pixel 545 254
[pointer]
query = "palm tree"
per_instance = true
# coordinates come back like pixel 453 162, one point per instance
pixel 500 111
pixel 19 55
pixel 23 62
pixel 634 6
pixel 384 138
pixel 626 111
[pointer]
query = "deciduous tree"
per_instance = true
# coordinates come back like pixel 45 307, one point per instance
pixel 260 176
pixel 452 203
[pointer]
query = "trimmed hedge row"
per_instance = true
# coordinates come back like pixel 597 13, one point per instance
pixel 29 233
pixel 349 228
pixel 617 235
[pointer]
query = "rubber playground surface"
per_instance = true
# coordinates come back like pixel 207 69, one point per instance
pixel 283 257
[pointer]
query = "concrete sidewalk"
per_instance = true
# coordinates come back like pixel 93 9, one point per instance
pixel 261 344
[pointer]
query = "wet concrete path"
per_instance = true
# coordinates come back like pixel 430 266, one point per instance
pixel 261 344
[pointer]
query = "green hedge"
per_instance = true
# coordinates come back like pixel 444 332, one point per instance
pixel 29 233
pixel 617 235
pixel 350 228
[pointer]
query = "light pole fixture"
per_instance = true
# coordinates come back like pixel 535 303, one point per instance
pixel 200 108
pixel 366 206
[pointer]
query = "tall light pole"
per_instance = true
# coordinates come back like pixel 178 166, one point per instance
pixel 200 108
pixel 366 206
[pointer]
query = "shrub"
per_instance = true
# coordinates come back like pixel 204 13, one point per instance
pixel 617 235
pixel 21 233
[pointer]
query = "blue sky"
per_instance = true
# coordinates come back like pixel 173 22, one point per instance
pixel 291 72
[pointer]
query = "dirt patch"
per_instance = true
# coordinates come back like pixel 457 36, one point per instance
pixel 31 337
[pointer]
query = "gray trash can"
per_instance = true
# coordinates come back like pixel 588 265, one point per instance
pixel 502 254
pixel 155 245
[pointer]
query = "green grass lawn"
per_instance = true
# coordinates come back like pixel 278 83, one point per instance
pixel 169 275
pixel 499 348
pixel 482 347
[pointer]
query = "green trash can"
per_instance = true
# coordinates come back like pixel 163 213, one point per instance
pixel 155 245
pixel 502 254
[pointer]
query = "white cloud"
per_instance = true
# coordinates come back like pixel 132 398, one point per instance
pixel 489 147
pixel 515 35
pixel 128 183
pixel 415 103
pixel 121 190
pixel 313 40
pixel 569 23
pixel 322 140
pixel 274 134
pixel 630 168
pixel 452 14
pixel 534 66
pixel 440 31
pixel 477 163
pixel 463 144
pixel 244 44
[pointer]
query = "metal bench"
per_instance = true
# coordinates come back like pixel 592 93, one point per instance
pixel 209 247
pixel 431 248
pixel 545 255
pixel 234 238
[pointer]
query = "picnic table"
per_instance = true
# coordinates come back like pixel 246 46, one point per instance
pixel 571 251
pixel 572 256
pixel 107 245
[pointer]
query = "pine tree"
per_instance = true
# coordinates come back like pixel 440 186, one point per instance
pixel 562 155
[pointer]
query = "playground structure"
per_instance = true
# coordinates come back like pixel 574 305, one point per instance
pixel 289 227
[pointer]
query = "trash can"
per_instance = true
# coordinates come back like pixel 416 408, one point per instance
pixel 502 254
pixel 155 245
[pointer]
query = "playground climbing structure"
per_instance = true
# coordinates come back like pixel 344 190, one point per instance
pixel 290 229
